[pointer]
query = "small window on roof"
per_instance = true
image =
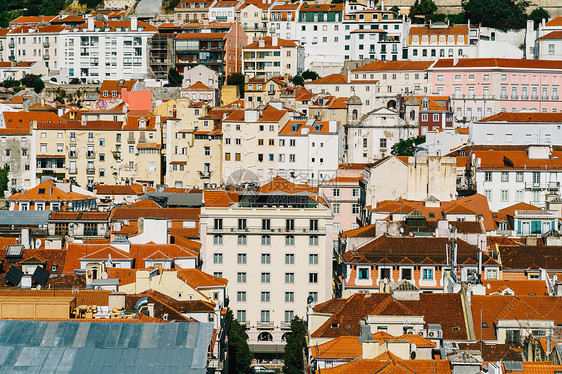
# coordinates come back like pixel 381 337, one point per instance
pixel 456 329
pixel 431 215
pixel 484 324
pixel 41 191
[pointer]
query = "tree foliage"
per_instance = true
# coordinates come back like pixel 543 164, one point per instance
pixel 310 74
pixel 239 356
pixel 407 147
pixel 298 80
pixel 33 81
pixel 422 8
pixel 91 4
pixel 4 178
pixel 11 9
pixel 174 78
pixel 537 15
pixel 169 5
pixel 500 14
pixel 293 357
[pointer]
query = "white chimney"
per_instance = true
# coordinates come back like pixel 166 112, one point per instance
pixel 134 23
pixel 332 126
pixel 251 115
pixel 274 41
pixel 91 23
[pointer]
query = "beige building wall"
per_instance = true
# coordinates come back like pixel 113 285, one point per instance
pixel 254 21
pixel 279 267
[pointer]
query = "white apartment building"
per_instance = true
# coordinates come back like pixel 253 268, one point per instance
pixel 222 11
pixel 441 142
pixel 371 137
pixel 36 43
pixel 272 56
pixel 518 129
pixel 99 50
pixel 310 151
pixel 441 41
pixel 283 21
pixel 250 143
pixel 507 175
pixel 276 252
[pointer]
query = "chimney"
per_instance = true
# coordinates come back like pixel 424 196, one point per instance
pixel 455 60
pixel 134 23
pixel 25 238
pixel 91 23
pixel 274 41
pixel 150 307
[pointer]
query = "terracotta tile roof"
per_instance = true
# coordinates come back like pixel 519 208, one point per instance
pixel 523 257
pixel 552 35
pixel 368 231
pixel 269 114
pixel 112 26
pixel 557 21
pixel 304 129
pixel 219 198
pixel 279 184
pixel 342 347
pixel 388 363
pixel 199 280
pixel 47 191
pixel 331 306
pixel 122 189
pixel 495 308
pixel 536 368
pixel 32 19
pixel 322 8
pixel 467 63
pixel 20 122
pixel 494 352
pixel 163 305
pixel 519 287
pixel 516 160
pixel 433 105
pixel 79 216
pixel 330 79
pixel 524 117
pixel 83 297
pixel 395 65
pixel 199 86
pixel 183 234
pixel 268 43
pixel 417 249
pixel 451 30
pixel 360 305
pixel 510 210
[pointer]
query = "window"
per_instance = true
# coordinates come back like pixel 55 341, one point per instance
pixel 241 316
pixel 336 192
pixel 536 178
pixel 382 142
pixel 265 297
pixel 504 195
pixel 289 297
pixel 242 257
pixel 265 258
pixel 313 240
pixel 336 208
pixel 289 258
pixel 289 315
pixel 505 176
pixel 428 274
pixel 242 240
pixel 217 274
pixel 241 277
pixel 363 273
pixel 217 258
pixel 290 240
pixel 313 225
pixel 266 224
pixel 266 240
pixel 519 176
pixel 218 224
pixel 265 316
pixel 406 274
pixel 289 277
pixel 241 296
pixel 491 274
pixel 313 277
pixel 265 277
pixel 290 224
pixel 314 296
pixel 488 176
pixel 242 224
pixel 355 209
pixel 313 259
pixel 217 239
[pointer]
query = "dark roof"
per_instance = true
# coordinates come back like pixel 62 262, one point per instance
pixel 104 347
pixel 417 249
pixel 531 257
pixel 494 352
pixel 347 318
pixel 24 217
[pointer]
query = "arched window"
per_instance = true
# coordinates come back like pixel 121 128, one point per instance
pixel 285 336
pixel 354 114
pixel 412 114
pixel 265 337
pixel 391 104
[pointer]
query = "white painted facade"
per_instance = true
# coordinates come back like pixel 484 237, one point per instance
pixel 515 133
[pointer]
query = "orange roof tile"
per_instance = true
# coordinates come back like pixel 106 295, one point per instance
pixel 395 65
pixel 279 184
pixel 198 279
pixel 467 63
pixel 552 35
pixel 47 191
pixel 268 43
pixel 388 363
pixel 125 189
pixel 199 86
pixel 519 287
pixel 451 30
pixel 330 79
pixel 524 117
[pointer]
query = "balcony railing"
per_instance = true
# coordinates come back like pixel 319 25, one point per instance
pixel 265 325
pixel 90 170
pixel 533 186
pixel 46 43
pixel 11 44
pixel 553 185
pixel 204 174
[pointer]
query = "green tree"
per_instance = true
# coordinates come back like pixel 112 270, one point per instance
pixel 422 8
pixel 293 358
pixel 538 14
pixel 4 175
pixel 169 5
pixel 298 80
pixel 395 10
pixel 407 147
pixel 91 4
pixel 174 78
pixel 500 14
pixel 237 79
pixel 309 74
pixel 33 81
pixel 239 357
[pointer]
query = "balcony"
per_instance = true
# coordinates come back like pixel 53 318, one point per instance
pixel 91 155
pixel 116 155
pixel 91 170
pixel 204 174
pixel 11 44
pixel 286 325
pixel 46 56
pixel 131 140
pixel 46 43
pixel 533 186
pixel 265 325
pixel 72 154
pixel 73 171
pixel 553 186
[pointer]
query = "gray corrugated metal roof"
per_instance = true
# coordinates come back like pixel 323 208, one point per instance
pixel 194 199
pixel 103 347
pixel 24 217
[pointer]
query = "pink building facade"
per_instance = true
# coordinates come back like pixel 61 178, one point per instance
pixel 481 87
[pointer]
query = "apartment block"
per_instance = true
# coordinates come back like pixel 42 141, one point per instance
pixel 272 56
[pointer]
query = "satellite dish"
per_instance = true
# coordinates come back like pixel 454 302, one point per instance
pixel 37 243
pixel 488 286
pixel 104 275
pixel 401 230
pixel 414 347
pixel 309 300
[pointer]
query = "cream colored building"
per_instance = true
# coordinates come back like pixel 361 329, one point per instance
pixel 273 56
pixel 275 258
pixel 260 89
pixel 250 144
pixel 107 147
pixel 193 146
pixel 253 16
